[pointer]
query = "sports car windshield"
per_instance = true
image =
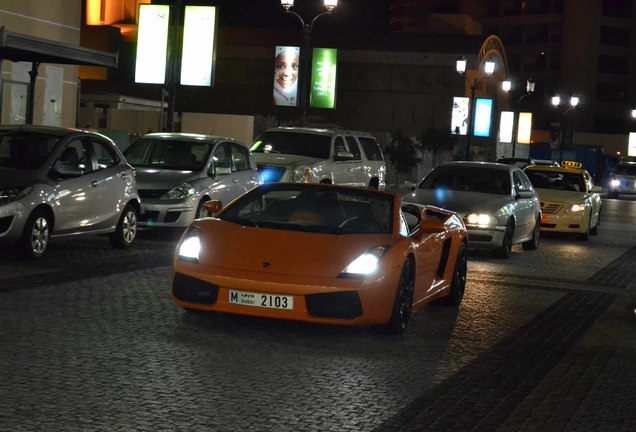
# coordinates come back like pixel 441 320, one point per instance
pixel 168 154
pixel 25 150
pixel 573 182
pixel 471 179
pixel 293 143
pixel 313 208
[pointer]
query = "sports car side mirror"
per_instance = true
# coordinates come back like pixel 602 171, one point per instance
pixel 212 207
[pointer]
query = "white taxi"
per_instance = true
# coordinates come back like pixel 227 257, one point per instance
pixel 570 202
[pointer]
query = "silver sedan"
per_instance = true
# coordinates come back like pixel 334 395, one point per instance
pixel 497 203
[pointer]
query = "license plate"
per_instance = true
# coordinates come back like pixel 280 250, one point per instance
pixel 269 301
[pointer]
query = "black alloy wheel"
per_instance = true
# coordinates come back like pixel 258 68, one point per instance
pixel 458 284
pixel 403 304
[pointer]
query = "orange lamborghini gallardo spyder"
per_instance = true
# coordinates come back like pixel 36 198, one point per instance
pixel 322 254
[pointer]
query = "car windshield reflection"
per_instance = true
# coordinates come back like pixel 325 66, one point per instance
pixel 168 154
pixel 469 179
pixel 25 150
pixel 312 208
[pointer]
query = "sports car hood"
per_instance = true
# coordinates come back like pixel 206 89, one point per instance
pixel 560 195
pixel 286 160
pixel 232 246
pixel 149 178
pixel 461 202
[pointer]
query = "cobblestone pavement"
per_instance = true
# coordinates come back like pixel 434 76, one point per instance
pixel 544 341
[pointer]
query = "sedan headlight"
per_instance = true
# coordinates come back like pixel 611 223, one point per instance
pixel 13 194
pixel 478 219
pixel 301 174
pixel 574 208
pixel 190 246
pixel 182 191
pixel 615 183
pixel 366 264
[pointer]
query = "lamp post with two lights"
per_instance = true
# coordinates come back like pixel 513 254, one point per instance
pixel 566 126
pixel 506 85
pixel 305 54
pixel 489 68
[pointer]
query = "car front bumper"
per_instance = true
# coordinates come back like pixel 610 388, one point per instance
pixel 341 301
pixel 487 238
pixel 158 213
pixel 13 217
pixel 567 223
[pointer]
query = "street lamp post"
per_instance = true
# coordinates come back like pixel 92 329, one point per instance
pixel 506 85
pixel 303 97
pixel 489 68
pixel 564 110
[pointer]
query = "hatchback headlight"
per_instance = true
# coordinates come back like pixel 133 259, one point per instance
pixel 366 264
pixel 13 194
pixel 190 246
pixel 478 219
pixel 615 183
pixel 182 191
pixel 301 174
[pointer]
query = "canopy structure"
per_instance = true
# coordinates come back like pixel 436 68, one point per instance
pixel 18 47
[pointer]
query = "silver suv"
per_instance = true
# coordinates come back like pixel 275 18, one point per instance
pixel 310 155
pixel 59 182
pixel 178 172
pixel 623 179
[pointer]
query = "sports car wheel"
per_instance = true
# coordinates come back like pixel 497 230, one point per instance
pixel 35 237
pixel 458 284
pixel 126 230
pixel 403 301
pixel 533 243
pixel 506 245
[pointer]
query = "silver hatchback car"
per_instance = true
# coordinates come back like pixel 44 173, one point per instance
pixel 59 182
pixel 178 172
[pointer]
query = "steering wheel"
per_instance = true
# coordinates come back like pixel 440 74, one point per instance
pixel 349 221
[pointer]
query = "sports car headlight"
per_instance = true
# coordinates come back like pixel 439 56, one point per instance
pixel 182 191
pixel 13 194
pixel 366 264
pixel 478 219
pixel 300 174
pixel 576 208
pixel 615 183
pixel 190 246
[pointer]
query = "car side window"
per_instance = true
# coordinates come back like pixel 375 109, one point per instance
pixel 240 157
pixel 521 181
pixel 353 147
pixel 371 148
pixel 222 157
pixel 104 155
pixel 75 154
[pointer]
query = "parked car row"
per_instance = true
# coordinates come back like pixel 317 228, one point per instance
pixel 57 182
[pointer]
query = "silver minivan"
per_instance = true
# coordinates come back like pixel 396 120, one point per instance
pixel 178 172
pixel 314 155
pixel 58 182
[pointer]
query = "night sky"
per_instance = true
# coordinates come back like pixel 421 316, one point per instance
pixel 361 15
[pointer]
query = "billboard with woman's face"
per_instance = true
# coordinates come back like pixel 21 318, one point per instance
pixel 286 65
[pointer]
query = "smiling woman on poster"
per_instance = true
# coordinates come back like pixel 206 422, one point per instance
pixel 286 75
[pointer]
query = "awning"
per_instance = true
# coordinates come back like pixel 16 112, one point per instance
pixel 19 47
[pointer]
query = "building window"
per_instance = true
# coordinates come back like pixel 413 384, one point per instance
pixel 617 8
pixel 613 65
pixel 615 36
pixel 606 92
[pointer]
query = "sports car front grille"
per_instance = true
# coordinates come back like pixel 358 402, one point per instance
pixel 192 290
pixel 551 208
pixel 340 305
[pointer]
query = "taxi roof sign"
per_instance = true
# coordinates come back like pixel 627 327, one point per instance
pixel 571 164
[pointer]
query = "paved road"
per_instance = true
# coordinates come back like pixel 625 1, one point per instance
pixel 543 341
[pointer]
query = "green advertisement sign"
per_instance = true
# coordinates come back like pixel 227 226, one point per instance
pixel 323 78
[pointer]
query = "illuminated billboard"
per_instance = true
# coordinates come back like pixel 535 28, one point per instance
pixel 483 114
pixel 323 78
pixel 525 128
pixel 505 126
pixel 631 146
pixel 199 36
pixel 152 43
pixel 286 69
pixel 459 116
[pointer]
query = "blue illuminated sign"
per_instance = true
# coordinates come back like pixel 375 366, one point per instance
pixel 483 115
